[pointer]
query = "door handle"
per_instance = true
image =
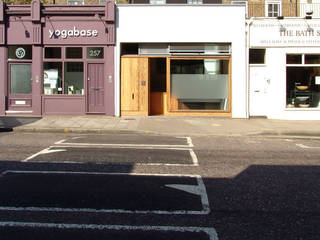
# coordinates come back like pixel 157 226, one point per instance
pixel 132 96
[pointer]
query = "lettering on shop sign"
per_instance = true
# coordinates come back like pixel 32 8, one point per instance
pixel 300 33
pixel 73 33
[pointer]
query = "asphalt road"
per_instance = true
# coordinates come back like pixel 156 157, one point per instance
pixel 69 186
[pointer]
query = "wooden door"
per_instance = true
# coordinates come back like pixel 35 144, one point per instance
pixel 96 88
pixel 134 86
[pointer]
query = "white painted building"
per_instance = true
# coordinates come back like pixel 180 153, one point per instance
pixel 284 68
pixel 216 32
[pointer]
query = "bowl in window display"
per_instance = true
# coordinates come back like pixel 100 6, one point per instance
pixel 304 105
pixel 302 88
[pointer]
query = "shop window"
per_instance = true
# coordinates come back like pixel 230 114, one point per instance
pixel 52 78
pixel 303 82
pixel 273 8
pixel 294 59
pixel 73 52
pixel 73 78
pixel 157 1
pixel 199 84
pixel 75 2
pixel 257 56
pixel 194 1
pixel 23 52
pixel 312 59
pixel 52 52
pixel 95 53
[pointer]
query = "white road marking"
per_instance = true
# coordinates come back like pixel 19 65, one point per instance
pixel 44 151
pixel 201 186
pixel 61 141
pixel 306 147
pixel 194 158
pixel 210 231
pixel 126 145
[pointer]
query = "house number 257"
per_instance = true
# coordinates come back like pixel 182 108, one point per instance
pixel 94 53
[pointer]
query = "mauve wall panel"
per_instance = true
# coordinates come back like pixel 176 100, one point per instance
pixel 20 33
pixel 176 1
pixel 63 105
pixel 212 1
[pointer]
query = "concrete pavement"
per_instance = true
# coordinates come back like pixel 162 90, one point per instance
pixel 178 126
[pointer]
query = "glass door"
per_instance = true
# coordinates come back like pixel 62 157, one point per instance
pixel 20 88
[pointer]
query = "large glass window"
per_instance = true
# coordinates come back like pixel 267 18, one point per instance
pixel 60 75
pixel 199 84
pixel 303 81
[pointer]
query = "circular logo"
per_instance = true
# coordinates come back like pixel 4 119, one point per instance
pixel 20 52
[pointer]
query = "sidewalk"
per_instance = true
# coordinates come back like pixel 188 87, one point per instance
pixel 178 126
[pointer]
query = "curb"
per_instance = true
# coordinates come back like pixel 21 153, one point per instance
pixel 266 133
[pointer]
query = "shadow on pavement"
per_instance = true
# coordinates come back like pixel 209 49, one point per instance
pixel 8 123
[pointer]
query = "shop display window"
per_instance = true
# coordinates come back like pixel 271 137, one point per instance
pixel 199 84
pixel 62 76
pixel 303 81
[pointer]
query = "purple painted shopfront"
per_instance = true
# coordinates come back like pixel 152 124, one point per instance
pixel 56 59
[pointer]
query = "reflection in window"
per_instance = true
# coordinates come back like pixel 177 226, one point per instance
pixel 52 78
pixel 73 78
pixel 20 78
pixel 303 87
pixel 199 84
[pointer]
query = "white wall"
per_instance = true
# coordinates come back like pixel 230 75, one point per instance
pixel 266 35
pixel 188 23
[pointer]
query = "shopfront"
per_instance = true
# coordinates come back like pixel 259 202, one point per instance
pixel 170 63
pixel 284 65
pixel 57 60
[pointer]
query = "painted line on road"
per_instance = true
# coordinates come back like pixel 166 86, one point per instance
pixel 306 147
pixel 126 145
pixel 211 232
pixel 201 191
pixel 44 151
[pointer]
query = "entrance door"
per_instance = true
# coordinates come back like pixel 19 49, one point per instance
pixel 95 88
pixel 19 87
pixel 258 91
pixel 134 86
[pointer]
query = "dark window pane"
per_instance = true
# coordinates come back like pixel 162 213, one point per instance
pixel 73 78
pixel 312 59
pixel 257 56
pixel 52 52
pixel 20 52
pixel 294 59
pixel 73 52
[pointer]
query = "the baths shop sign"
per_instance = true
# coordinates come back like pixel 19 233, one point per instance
pixel 287 33
pixel 72 33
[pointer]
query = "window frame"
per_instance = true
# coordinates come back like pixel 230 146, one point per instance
pixel 273 2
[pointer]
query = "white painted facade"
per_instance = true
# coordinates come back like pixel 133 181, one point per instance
pixel 188 24
pixel 268 82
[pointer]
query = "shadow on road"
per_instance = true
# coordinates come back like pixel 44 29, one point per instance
pixel 8 123
pixel 262 202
